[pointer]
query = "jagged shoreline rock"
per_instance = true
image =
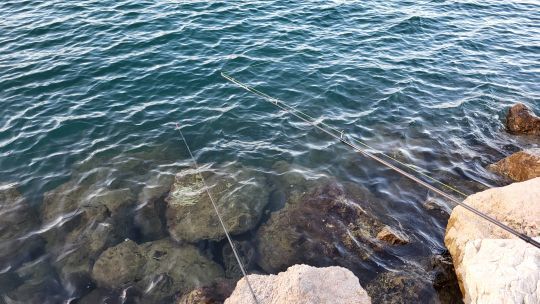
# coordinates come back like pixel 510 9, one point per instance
pixel 317 227
pixel 509 269
pixel 302 284
pixel 521 120
pixel 520 166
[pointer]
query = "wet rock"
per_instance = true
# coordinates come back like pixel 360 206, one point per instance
pixel 18 220
pixel 401 286
pixel 521 120
pixel 392 236
pixel 150 213
pixel 247 254
pixel 107 296
pixel 119 265
pixel 437 208
pixel 191 216
pixel 40 285
pixel 302 284
pixel 520 166
pixel 159 269
pixel 445 282
pixel 81 219
pixel 515 205
pixel 76 251
pixel 324 227
pixel 214 294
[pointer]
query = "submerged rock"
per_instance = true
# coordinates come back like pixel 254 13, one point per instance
pixel 520 166
pixel 150 213
pixel 39 284
pixel 213 294
pixel 324 226
pixel 158 269
pixel 81 220
pixel 515 205
pixel 403 286
pixel 247 253
pixel 302 284
pixel 392 236
pixel 18 243
pixel 190 214
pixel 521 120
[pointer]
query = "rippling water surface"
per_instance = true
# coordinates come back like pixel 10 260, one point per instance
pixel 96 88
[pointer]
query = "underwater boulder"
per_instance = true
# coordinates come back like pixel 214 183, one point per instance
pixel 159 269
pixel 212 294
pixel 240 199
pixel 326 226
pixel 18 221
pixel 39 284
pixel 521 120
pixel 149 217
pixel 520 166
pixel 81 219
pixel 247 252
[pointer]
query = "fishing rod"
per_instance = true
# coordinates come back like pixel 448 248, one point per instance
pixel 340 136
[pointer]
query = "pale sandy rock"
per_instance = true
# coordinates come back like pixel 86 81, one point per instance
pixel 515 205
pixel 302 284
pixel 501 271
pixel 520 166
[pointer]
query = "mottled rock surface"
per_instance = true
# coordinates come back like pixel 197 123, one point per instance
pixel 160 269
pixel 521 120
pixel 501 271
pixel 403 286
pixel 520 166
pixel 81 218
pixel 240 199
pixel 302 284
pixel 323 226
pixel 515 205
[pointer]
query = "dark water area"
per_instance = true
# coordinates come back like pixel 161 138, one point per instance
pixel 92 92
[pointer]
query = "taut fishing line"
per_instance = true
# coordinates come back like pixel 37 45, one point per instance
pixel 337 134
pixel 235 252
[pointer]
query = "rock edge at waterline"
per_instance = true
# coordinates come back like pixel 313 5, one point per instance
pixel 492 265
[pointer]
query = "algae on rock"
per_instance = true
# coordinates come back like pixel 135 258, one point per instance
pixel 240 199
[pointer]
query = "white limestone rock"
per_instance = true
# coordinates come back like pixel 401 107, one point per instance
pixel 302 284
pixel 501 271
pixel 505 258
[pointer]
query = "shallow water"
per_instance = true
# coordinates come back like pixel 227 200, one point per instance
pixel 97 88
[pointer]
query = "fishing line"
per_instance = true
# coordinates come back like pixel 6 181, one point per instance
pixel 337 134
pixel 218 215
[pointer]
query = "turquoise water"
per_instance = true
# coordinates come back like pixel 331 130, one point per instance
pixel 86 85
